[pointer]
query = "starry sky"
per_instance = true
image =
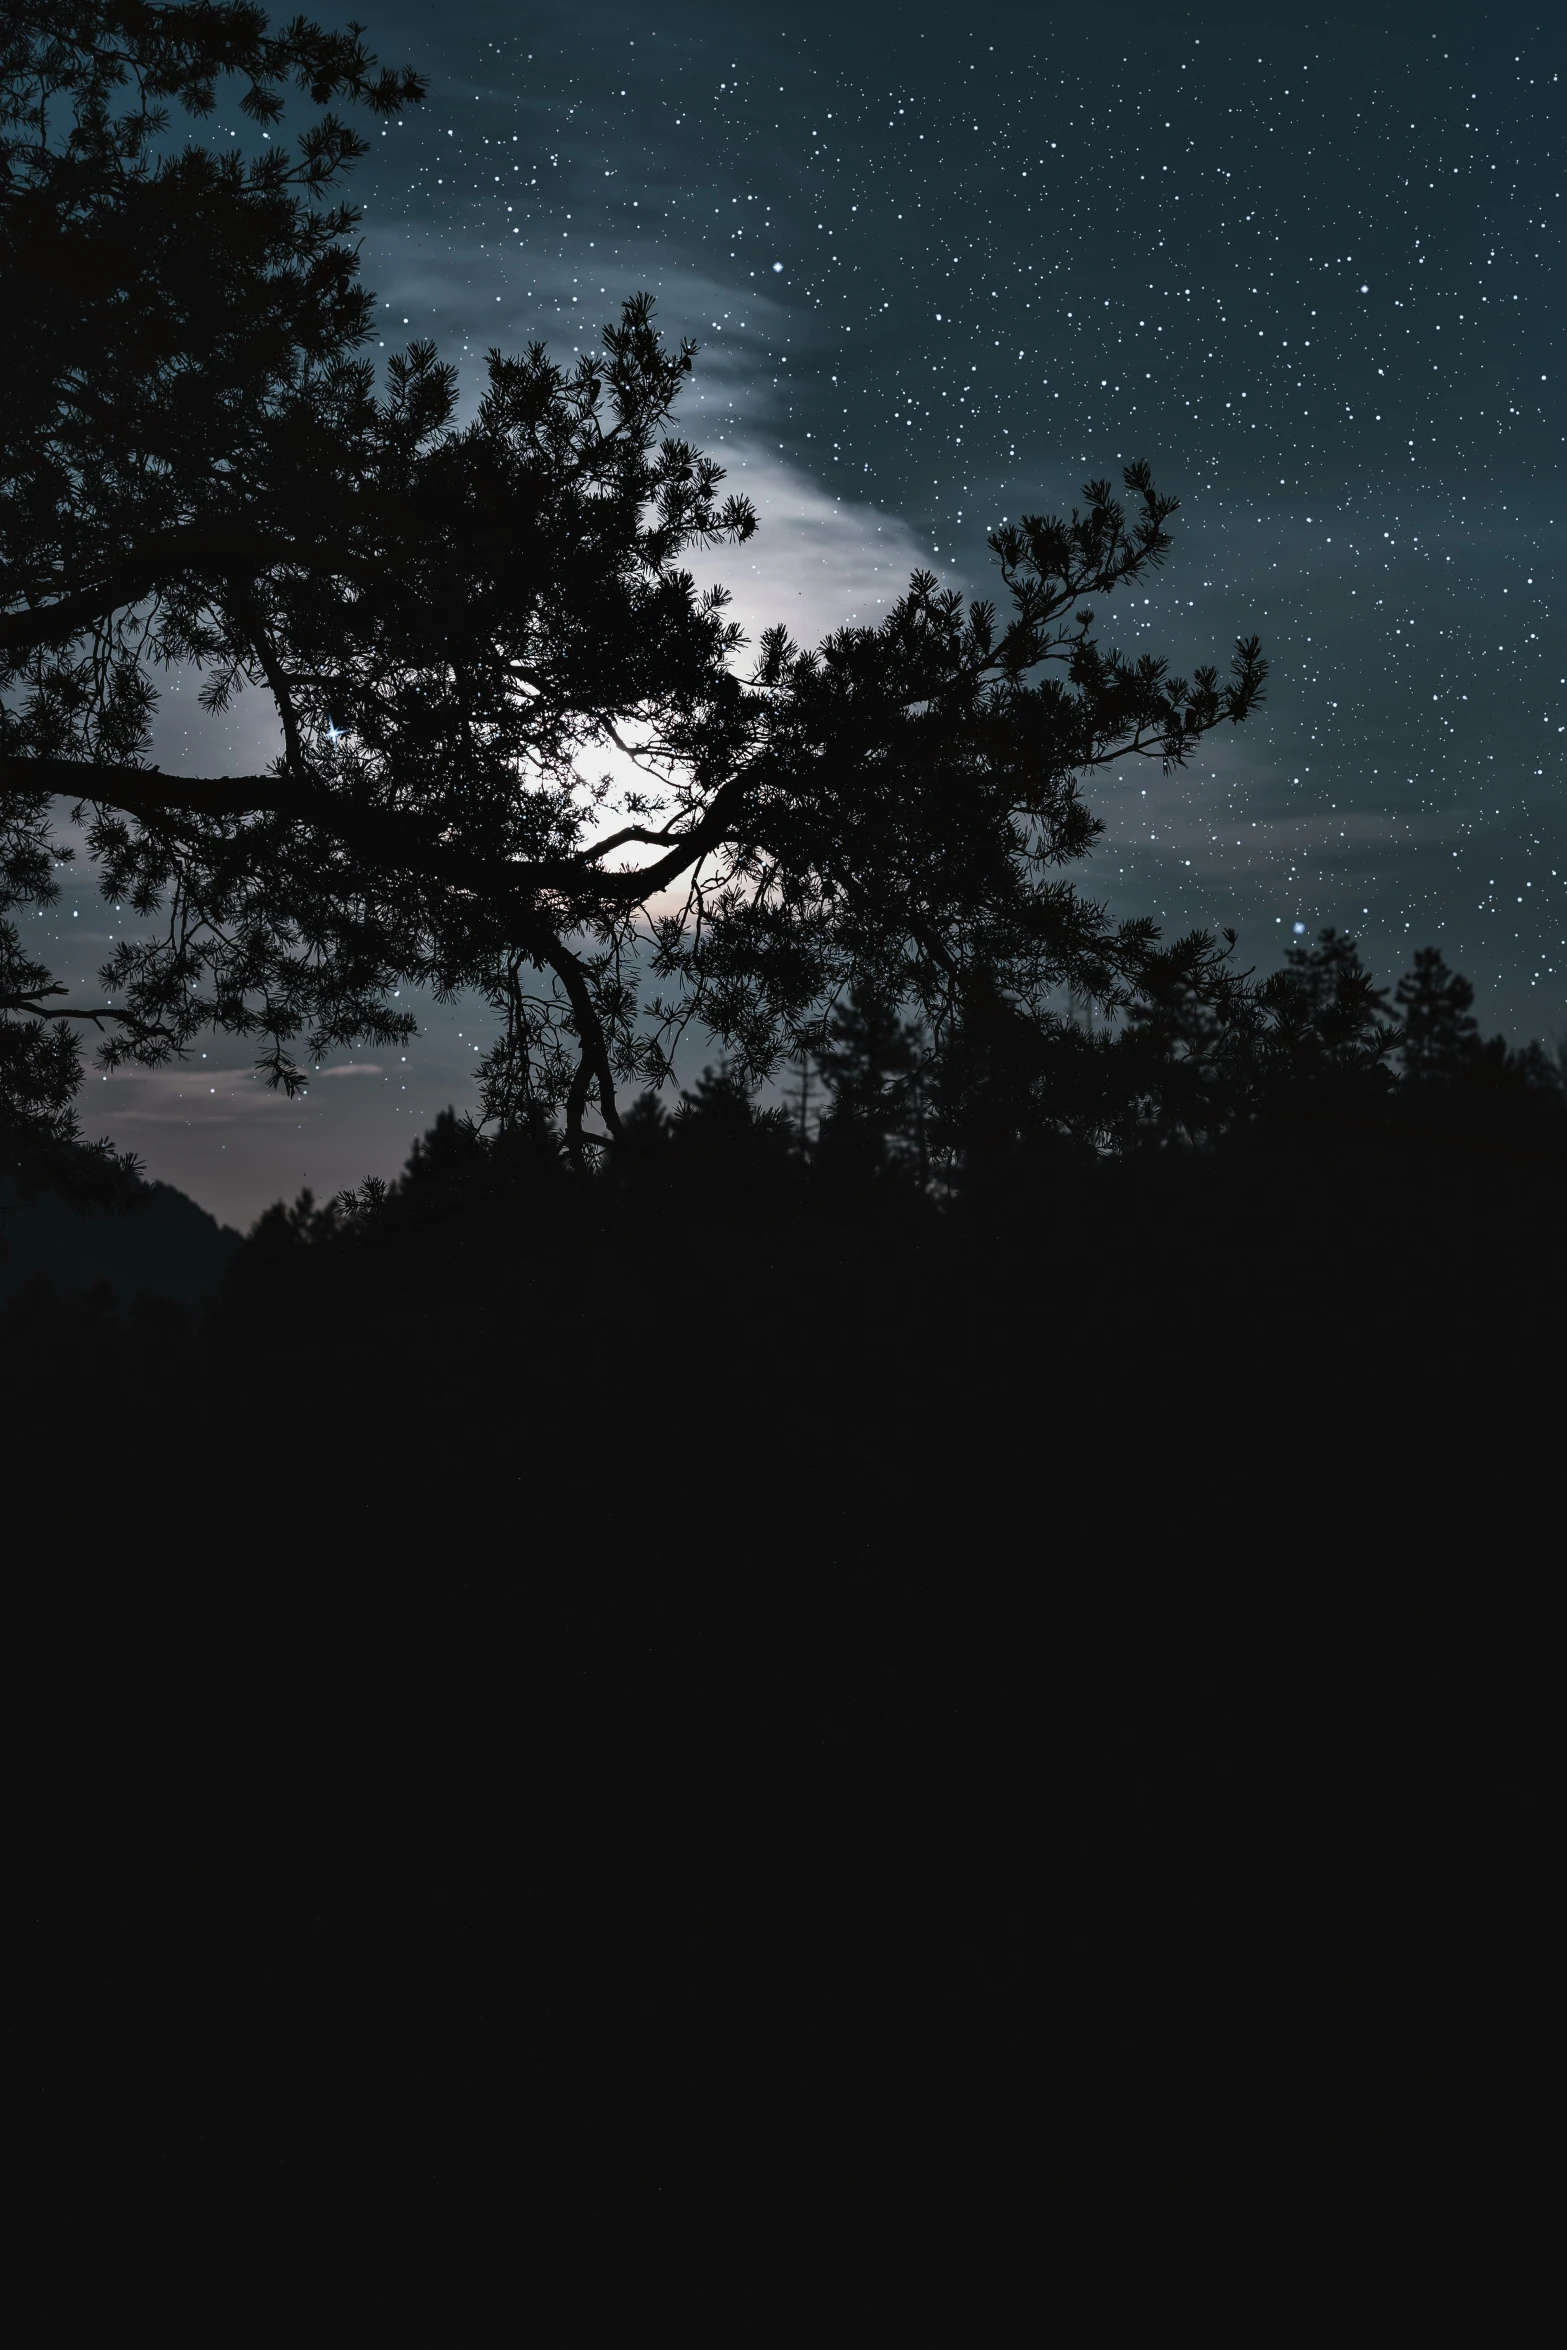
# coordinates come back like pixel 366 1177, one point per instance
pixel 1311 271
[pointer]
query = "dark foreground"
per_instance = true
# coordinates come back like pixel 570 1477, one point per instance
pixel 1079 1662
pixel 1202 1351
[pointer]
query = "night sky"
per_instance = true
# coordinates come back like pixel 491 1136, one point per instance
pixel 1309 273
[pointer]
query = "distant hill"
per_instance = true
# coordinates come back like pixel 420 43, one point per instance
pixel 165 1246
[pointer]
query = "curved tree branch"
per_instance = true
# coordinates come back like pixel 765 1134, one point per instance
pixel 594 1061
pixel 34 1005
pixel 394 840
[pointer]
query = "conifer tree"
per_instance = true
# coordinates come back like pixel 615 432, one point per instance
pixel 176 322
pixel 1440 1034
pixel 1328 1033
pixel 452 624
pixel 872 1062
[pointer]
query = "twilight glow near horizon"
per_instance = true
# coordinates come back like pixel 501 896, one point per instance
pixel 1311 274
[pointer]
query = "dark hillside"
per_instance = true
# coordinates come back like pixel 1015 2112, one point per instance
pixel 163 1244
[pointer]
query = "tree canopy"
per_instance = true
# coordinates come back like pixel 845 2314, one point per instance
pixel 453 623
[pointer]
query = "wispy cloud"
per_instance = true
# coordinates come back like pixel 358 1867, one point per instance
pixel 485 291
pixel 164 1097
pixel 818 561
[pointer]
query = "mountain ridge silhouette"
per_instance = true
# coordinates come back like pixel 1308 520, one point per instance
pixel 164 1244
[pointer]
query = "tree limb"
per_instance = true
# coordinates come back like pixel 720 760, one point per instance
pixel 394 840
pixel 34 1005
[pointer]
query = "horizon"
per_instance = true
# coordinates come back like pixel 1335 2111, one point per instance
pixel 913 323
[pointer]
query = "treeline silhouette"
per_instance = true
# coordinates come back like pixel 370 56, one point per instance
pixel 933 1133
pixel 1033 1225
pixel 1005 1101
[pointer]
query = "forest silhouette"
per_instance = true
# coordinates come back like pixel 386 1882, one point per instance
pixel 1121 1236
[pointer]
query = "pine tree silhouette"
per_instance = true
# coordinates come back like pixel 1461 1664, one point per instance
pixel 1440 1034
pixel 1329 1035
pixel 289 521
pixel 872 1063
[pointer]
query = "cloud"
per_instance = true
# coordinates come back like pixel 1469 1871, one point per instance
pixel 818 561
pixel 485 292
pixel 187 740
pixel 162 1097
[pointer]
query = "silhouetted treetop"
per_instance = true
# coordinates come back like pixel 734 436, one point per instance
pixel 455 626
pixel 171 314
pixel 1440 1033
